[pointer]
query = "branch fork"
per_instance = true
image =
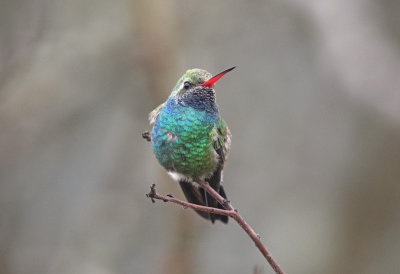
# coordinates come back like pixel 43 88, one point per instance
pixel 228 211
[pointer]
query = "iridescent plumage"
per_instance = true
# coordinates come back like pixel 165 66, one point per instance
pixel 190 139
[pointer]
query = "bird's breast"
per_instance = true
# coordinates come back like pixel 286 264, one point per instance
pixel 182 143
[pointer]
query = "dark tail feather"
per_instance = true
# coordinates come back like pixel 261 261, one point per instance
pixel 196 195
pixel 211 202
pixel 193 196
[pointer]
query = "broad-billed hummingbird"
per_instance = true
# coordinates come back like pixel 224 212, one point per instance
pixel 190 139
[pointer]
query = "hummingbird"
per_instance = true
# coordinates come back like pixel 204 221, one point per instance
pixel 191 140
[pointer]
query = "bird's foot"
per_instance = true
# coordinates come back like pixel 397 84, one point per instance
pixel 225 202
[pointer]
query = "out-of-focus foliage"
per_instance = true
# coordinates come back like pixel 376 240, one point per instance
pixel 314 108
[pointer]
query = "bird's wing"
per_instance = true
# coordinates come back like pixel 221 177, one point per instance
pixel 154 114
pixel 221 139
pixel 221 136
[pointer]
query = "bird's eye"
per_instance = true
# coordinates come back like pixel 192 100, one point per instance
pixel 186 85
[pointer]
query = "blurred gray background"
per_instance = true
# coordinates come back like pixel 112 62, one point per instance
pixel 313 105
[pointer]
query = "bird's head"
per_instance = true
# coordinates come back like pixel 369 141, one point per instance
pixel 195 88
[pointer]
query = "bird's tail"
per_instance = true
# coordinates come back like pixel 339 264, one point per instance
pixel 197 195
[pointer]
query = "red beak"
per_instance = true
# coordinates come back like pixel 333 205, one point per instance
pixel 210 82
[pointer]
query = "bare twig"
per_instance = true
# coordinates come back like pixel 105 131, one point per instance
pixel 247 228
pixel 147 136
pixel 169 198
pixel 228 211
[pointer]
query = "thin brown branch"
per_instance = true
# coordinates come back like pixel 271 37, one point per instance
pixel 146 135
pixel 246 227
pixel 169 198
pixel 228 211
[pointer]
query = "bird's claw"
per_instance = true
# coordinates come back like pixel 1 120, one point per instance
pixel 226 202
